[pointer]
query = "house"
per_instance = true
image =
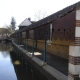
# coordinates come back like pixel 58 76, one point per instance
pixel 63 29
pixel 26 23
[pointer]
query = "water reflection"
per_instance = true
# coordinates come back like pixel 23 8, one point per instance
pixel 5 47
pixel 6 67
pixel 14 67
pixel 23 70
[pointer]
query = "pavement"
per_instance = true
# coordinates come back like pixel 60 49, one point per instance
pixel 59 63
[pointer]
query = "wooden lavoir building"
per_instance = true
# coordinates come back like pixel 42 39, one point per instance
pixel 61 32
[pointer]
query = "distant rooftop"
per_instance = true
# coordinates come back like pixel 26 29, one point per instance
pixel 26 22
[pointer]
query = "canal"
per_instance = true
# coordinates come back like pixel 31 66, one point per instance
pixel 12 67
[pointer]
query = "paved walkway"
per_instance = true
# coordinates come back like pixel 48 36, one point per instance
pixel 57 62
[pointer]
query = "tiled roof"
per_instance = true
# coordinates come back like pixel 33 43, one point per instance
pixel 55 15
pixel 52 17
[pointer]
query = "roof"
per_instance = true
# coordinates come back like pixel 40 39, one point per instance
pixel 26 22
pixel 56 15
pixel 52 17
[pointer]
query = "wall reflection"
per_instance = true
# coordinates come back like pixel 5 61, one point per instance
pixel 5 48
pixel 16 65
pixel 6 67
pixel 22 69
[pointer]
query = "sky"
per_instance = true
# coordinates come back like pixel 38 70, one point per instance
pixel 22 9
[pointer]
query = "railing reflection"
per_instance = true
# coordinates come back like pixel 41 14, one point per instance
pixel 22 69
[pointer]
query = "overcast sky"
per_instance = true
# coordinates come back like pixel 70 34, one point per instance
pixel 21 9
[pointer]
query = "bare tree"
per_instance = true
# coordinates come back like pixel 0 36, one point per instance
pixel 8 30
pixel 40 15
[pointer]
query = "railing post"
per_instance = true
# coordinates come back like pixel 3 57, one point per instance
pixel 36 43
pixel 19 42
pixel 33 48
pixel 32 74
pixel 45 50
pixel 27 45
pixel 22 42
pixel 16 41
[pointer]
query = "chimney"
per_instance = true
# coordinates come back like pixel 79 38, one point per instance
pixel 29 19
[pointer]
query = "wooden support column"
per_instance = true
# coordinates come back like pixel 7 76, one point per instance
pixel 74 52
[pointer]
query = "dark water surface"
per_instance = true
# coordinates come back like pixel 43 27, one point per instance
pixel 6 67
pixel 12 67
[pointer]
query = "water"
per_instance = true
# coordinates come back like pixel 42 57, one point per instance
pixel 12 67
pixel 6 67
